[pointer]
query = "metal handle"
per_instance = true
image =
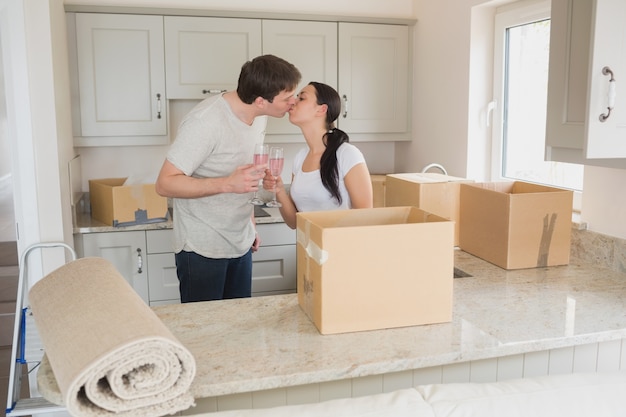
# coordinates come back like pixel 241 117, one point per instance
pixel 213 91
pixel 158 106
pixel 611 95
pixel 139 261
pixel 345 106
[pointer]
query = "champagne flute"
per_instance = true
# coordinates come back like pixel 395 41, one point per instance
pixel 260 158
pixel 277 161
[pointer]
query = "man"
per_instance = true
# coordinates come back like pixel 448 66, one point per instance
pixel 209 175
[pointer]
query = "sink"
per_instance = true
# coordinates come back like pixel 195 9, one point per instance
pixel 259 212
pixel 460 274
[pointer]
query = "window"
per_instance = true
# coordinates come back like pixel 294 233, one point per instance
pixel 521 57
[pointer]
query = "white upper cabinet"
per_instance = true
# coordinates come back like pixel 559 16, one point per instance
pixel 204 55
pixel 373 77
pixel 586 37
pixel 121 77
pixel 311 47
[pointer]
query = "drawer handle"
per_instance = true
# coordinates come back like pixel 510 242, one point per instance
pixel 158 106
pixel 213 91
pixel 611 95
pixel 345 106
pixel 139 261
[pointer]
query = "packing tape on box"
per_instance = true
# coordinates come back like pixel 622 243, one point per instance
pixel 314 252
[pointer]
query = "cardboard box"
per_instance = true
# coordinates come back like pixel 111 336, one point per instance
pixel 366 269
pixel 115 204
pixel 436 193
pixel 378 187
pixel 516 224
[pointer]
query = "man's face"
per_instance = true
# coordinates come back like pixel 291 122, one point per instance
pixel 281 104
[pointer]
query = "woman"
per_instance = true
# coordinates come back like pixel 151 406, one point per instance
pixel 330 173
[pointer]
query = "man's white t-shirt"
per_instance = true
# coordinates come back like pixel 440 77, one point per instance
pixel 211 142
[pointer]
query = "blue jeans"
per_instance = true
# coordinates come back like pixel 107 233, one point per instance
pixel 205 279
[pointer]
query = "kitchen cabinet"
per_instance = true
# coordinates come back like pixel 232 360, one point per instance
pixel 162 279
pixel 204 55
pixel 373 78
pixel 125 250
pixel 120 75
pixel 585 37
pixel 274 264
pixel 145 258
pixel 311 47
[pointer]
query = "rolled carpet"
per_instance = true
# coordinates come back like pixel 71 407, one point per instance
pixel 110 354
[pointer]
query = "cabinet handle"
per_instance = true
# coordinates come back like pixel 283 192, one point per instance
pixel 611 95
pixel 345 106
pixel 213 91
pixel 139 261
pixel 158 106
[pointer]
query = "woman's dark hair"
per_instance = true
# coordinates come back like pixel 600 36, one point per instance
pixel 266 76
pixel 333 138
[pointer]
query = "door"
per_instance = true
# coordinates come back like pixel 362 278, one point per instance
pixel 606 129
pixel 121 75
pixel 373 77
pixel 204 55
pixel 126 251
pixel 311 47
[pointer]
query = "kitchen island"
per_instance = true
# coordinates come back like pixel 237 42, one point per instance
pixel 268 342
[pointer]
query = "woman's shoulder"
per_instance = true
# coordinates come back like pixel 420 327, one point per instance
pixel 350 150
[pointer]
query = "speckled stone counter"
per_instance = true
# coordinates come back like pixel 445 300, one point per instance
pixel 268 342
pixel 84 223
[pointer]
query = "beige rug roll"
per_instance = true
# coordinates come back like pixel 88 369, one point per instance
pixel 109 352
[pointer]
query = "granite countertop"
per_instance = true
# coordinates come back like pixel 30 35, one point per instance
pixel 268 342
pixel 260 343
pixel 84 223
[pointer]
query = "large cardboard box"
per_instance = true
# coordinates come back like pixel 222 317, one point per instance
pixel 378 188
pixel 516 224
pixel 366 269
pixel 115 204
pixel 432 192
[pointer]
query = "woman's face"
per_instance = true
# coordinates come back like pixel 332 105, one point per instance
pixel 306 107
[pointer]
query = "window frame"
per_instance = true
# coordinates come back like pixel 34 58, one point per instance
pixel 510 15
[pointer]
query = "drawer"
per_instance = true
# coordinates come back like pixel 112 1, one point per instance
pixel 273 234
pixel 159 241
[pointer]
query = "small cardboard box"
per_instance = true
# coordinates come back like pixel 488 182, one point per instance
pixel 116 204
pixel 366 269
pixel 516 224
pixel 378 188
pixel 432 192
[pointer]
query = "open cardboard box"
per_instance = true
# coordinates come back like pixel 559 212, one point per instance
pixel 436 193
pixel 516 224
pixel 366 269
pixel 115 204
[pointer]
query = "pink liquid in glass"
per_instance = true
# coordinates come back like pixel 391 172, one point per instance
pixel 260 159
pixel 276 166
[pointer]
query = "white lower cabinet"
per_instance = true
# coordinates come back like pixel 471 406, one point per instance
pixel 125 250
pixel 274 264
pixel 163 281
pixel 146 260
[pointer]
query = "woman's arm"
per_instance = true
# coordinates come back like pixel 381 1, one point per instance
pixel 359 185
pixel 288 210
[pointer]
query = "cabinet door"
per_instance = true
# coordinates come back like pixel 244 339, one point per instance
pixel 126 251
pixel 373 77
pixel 274 270
pixel 574 132
pixel 606 137
pixel 311 47
pixel 163 279
pixel 121 75
pixel 204 55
